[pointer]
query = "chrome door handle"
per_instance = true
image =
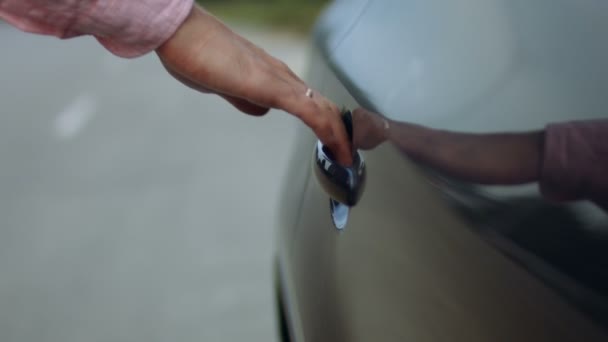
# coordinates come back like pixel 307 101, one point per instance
pixel 342 184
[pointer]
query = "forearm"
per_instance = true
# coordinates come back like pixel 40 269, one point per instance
pixel 569 160
pixel 501 158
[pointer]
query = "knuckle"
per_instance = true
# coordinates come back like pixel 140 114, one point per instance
pixel 327 130
pixel 308 112
pixel 334 108
pixel 322 127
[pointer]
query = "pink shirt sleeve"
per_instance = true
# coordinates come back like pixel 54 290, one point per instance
pixel 128 28
pixel 575 162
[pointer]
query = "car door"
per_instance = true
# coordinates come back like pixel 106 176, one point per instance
pixel 427 258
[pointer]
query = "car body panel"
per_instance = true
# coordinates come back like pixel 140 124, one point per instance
pixel 454 65
pixel 411 264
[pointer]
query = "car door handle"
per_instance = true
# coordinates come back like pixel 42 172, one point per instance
pixel 342 184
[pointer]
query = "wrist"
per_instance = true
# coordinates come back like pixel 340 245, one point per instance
pixel 193 31
pixel 131 28
pixel 409 137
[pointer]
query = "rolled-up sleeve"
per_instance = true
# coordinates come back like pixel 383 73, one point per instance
pixel 128 28
pixel 575 161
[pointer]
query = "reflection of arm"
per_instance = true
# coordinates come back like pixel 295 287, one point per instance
pixel 569 160
pixel 501 158
pixel 575 164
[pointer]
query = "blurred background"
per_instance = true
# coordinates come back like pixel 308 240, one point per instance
pixel 292 15
pixel 133 208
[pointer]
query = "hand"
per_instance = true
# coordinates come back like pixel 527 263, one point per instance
pixel 370 129
pixel 206 55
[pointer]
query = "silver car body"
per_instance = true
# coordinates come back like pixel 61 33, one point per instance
pixel 425 258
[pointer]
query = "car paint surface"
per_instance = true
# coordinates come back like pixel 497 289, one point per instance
pixel 410 266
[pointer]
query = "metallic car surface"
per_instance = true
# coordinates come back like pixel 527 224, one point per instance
pixel 423 257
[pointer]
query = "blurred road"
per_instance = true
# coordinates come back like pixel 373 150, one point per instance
pixel 132 208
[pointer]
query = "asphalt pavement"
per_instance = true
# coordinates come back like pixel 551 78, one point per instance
pixel 131 207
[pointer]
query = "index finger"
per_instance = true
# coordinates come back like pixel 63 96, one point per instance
pixel 324 118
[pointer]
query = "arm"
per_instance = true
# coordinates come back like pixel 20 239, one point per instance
pixel 207 56
pixel 569 160
pixel 195 47
pixel 501 158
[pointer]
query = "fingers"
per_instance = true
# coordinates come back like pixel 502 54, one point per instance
pixel 370 129
pixel 361 128
pixel 323 117
pixel 338 141
pixel 359 112
pixel 274 85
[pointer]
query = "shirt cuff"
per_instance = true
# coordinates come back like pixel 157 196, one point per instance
pixel 574 160
pixel 128 28
pixel 133 28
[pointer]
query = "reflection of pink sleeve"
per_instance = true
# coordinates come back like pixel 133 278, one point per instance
pixel 576 161
pixel 127 28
